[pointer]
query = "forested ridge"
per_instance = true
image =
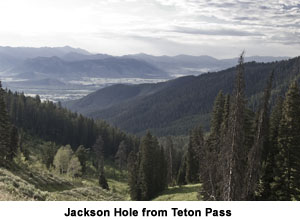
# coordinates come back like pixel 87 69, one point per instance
pixel 186 101
pixel 248 155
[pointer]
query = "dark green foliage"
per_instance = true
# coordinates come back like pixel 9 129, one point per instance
pixel 289 146
pixel 148 176
pixel 82 153
pixel 98 148
pixel 270 189
pixel 48 151
pixel 14 142
pixel 121 156
pixel 5 154
pixel 51 122
pixel 260 145
pixel 217 115
pixel 209 161
pixel 133 177
pixel 194 154
pixel 181 180
pixel 148 152
pixel 169 160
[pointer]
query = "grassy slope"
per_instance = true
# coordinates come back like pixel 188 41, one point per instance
pixel 183 193
pixel 23 184
pixel 30 184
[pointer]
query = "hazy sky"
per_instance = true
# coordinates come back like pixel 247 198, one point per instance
pixel 220 28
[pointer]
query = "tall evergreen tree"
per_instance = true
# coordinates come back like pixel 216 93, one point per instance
pixel 152 168
pixel 255 157
pixel 194 155
pixel 133 176
pixel 170 163
pixel 98 148
pixel 121 156
pixel 13 144
pixel 234 149
pixel 82 153
pixel 4 130
pixel 148 149
pixel 289 146
pixel 210 172
pixel 270 189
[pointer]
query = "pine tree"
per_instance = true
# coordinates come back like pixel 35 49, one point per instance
pixel 225 118
pixel 48 152
pixel 98 148
pixel 217 115
pixel 260 145
pixel 146 169
pixel 121 156
pixel 4 130
pixel 234 151
pixel 13 144
pixel 269 188
pixel 289 146
pixel 195 148
pixel 82 154
pixel 210 173
pixel 169 160
pixel 133 177
pixel 161 170
pixel 181 180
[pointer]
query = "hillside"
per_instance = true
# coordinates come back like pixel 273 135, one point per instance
pixel 29 182
pixel 187 101
pixel 182 65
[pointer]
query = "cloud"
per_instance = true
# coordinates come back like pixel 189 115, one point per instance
pixel 218 32
pixel 171 26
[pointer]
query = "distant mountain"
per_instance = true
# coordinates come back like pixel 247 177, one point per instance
pixel 7 61
pixel 23 53
pixel 107 68
pixel 73 56
pixel 195 65
pixel 13 56
pixel 186 102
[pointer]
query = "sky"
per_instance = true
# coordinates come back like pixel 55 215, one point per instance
pixel 219 28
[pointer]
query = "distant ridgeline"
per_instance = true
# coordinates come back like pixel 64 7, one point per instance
pixel 176 106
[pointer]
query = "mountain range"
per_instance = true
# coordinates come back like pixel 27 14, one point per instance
pixel 67 62
pixel 60 73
